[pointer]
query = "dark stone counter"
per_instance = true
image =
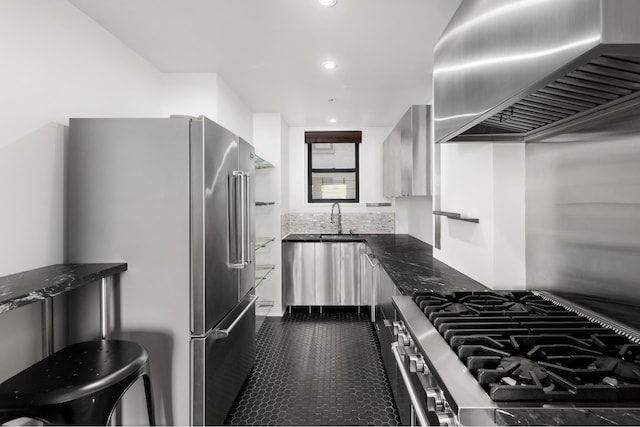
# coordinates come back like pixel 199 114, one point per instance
pixel 409 262
pixel 568 417
pixel 30 286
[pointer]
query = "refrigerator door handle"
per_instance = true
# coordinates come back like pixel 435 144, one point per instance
pixel 239 216
pixel 224 333
pixel 247 209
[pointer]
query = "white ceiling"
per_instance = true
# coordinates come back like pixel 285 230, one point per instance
pixel 270 51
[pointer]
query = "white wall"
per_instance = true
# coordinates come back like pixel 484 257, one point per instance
pixel 195 94
pixel 485 181
pixel 285 165
pixel 233 113
pixel 370 170
pixel 190 94
pixel 57 63
pixel 31 232
pixel 414 216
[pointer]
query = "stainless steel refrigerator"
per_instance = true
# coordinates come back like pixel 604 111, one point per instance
pixel 174 198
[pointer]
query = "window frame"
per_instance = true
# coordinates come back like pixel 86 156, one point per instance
pixel 311 171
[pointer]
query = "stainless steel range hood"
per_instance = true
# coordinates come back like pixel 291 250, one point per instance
pixel 518 69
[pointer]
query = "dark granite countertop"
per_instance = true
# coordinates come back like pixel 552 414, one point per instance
pixel 409 262
pixel 568 417
pixel 30 286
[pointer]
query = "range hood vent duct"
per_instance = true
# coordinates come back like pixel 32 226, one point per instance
pixel 558 68
pixel 599 82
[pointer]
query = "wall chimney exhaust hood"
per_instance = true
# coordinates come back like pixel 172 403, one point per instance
pixel 522 69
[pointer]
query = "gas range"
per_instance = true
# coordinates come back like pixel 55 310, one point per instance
pixel 472 358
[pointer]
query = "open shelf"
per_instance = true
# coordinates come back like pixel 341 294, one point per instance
pixel 456 216
pixel 267 228
pixel 262 271
pixel 263 307
pixel 262 163
pixel 261 242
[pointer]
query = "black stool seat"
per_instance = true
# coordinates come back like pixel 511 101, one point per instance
pixel 80 384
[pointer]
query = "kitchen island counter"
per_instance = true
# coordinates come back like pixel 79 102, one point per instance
pixel 409 262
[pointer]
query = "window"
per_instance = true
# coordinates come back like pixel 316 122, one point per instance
pixel 333 160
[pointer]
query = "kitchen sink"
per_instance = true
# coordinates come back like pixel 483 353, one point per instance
pixel 342 238
pixel 327 238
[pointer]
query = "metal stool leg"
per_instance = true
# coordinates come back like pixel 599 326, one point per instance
pixel 149 397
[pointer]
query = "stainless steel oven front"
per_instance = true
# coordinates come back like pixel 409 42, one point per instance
pixel 441 391
pixel 428 406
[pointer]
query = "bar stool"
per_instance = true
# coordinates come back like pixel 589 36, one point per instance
pixel 79 385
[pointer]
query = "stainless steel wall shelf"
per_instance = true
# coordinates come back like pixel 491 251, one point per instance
pixel 456 216
pixel 377 204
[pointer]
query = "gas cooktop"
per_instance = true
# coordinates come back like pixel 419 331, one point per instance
pixel 522 347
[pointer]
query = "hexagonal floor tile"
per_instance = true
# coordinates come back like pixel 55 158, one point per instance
pixel 316 369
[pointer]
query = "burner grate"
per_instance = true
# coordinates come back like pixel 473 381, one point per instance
pixel 523 347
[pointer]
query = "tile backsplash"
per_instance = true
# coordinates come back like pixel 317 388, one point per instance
pixel 320 223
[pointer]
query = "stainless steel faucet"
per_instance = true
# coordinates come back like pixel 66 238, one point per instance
pixel 339 216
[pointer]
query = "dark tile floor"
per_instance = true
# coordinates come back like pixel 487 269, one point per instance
pixel 316 369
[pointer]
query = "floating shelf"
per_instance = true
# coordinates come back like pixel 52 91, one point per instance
pixel 261 242
pixel 456 216
pixel 377 204
pixel 263 307
pixel 265 203
pixel 262 163
pixel 262 271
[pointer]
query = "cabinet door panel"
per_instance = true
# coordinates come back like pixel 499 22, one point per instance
pixel 350 273
pixel 327 274
pixel 298 273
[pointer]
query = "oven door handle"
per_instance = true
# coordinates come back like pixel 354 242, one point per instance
pixel 417 407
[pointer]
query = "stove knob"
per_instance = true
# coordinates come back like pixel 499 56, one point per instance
pixel 416 364
pixel 435 400
pixel 404 339
pixel 447 419
pixel 398 327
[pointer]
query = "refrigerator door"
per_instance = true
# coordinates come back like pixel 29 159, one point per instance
pixel 247 165
pixel 214 283
pixel 220 364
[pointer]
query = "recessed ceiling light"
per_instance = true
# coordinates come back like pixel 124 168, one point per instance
pixel 332 120
pixel 329 65
pixel 327 3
